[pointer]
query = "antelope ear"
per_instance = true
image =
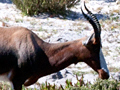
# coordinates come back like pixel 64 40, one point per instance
pixel 89 39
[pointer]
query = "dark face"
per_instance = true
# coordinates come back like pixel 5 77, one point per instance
pixel 91 54
pixel 96 60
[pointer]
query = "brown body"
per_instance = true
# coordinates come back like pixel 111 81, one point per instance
pixel 24 57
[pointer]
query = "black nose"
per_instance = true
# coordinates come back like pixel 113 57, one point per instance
pixel 106 76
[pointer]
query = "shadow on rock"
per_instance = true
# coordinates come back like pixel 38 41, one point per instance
pixel 6 1
pixel 70 15
pixel 74 16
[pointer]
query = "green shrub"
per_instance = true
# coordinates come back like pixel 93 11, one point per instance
pixel 33 7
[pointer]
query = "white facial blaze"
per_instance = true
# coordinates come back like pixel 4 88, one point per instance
pixel 103 62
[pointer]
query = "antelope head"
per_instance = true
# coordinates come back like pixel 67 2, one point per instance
pixel 93 47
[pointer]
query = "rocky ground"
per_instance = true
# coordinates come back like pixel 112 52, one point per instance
pixel 71 27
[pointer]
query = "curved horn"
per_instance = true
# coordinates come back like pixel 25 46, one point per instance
pixel 94 18
pixel 94 22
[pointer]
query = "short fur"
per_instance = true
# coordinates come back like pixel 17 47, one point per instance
pixel 24 57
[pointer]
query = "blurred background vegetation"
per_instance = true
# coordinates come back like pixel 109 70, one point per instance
pixel 34 7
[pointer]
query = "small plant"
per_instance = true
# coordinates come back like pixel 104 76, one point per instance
pixel 99 84
pixel 78 73
pixel 33 7
pixel 18 20
pixel 106 85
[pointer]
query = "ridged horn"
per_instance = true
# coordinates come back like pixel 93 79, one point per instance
pixel 94 22
pixel 94 18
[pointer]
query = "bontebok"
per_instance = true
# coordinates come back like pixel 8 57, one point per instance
pixel 24 57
